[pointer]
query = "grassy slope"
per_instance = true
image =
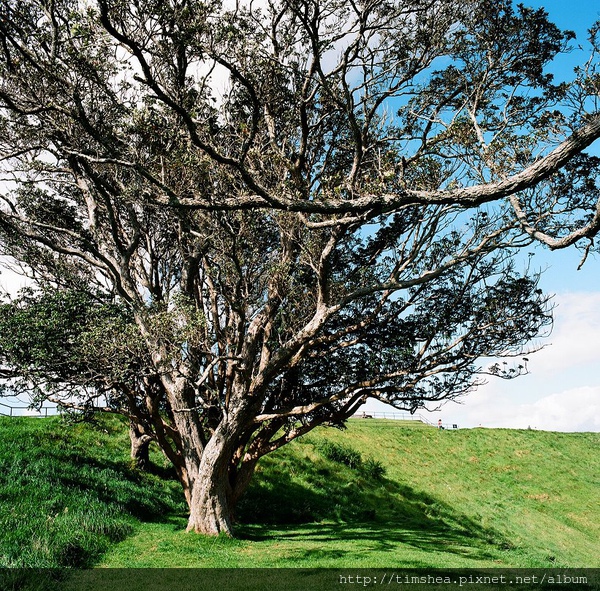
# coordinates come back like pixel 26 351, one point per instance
pixel 449 499
pixel 67 492
pixel 536 494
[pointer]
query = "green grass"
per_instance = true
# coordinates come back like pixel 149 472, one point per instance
pixel 67 492
pixel 375 495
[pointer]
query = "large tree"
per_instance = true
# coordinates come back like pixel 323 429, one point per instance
pixel 298 205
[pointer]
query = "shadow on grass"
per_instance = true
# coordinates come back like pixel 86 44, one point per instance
pixel 343 506
pixel 293 497
pixel 113 482
pixel 67 462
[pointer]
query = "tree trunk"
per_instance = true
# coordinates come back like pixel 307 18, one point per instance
pixel 211 500
pixel 140 444
pixel 206 464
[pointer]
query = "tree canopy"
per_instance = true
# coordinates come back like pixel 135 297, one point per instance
pixel 268 214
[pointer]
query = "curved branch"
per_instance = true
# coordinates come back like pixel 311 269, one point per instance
pixel 588 231
pixel 472 196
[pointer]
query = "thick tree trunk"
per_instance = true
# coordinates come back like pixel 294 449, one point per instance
pixel 215 490
pixel 205 465
pixel 215 497
pixel 211 507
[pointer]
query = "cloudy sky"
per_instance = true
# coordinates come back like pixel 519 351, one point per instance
pixel 562 390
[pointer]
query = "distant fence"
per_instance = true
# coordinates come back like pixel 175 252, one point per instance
pixel 402 416
pixel 394 416
pixel 7 410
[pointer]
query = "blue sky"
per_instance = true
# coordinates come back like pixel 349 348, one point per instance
pixel 562 390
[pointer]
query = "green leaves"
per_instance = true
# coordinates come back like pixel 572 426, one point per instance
pixel 66 339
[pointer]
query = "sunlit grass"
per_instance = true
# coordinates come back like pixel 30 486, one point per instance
pixel 446 499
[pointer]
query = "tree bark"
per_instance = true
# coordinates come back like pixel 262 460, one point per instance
pixel 215 493
pixel 140 445
pixel 211 510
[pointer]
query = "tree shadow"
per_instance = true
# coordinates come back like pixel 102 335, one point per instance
pixel 318 501
pixel 114 483
pixel 347 507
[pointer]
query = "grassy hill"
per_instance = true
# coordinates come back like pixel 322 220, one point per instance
pixel 376 495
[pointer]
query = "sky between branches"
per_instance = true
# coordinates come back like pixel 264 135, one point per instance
pixel 562 391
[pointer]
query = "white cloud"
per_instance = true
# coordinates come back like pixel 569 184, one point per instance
pixel 562 392
pixel 576 335
pixel 577 409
